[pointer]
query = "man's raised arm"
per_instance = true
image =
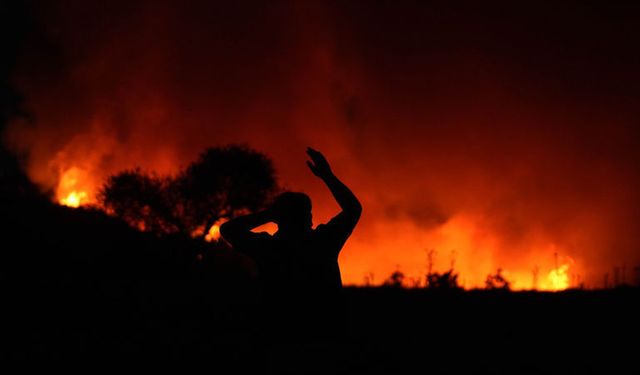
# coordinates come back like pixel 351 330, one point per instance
pixel 347 201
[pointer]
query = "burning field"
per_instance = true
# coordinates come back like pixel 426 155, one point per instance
pixel 477 137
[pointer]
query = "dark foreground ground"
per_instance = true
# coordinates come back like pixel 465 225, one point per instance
pixel 390 331
pixel 496 333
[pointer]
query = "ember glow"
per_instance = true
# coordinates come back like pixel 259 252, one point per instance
pixel 492 145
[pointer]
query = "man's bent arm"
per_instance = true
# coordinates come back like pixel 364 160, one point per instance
pixel 241 226
pixel 344 196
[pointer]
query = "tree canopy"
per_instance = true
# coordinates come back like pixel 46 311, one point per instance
pixel 221 183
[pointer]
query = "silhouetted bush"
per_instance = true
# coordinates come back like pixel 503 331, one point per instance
pixel 395 280
pixel 497 281
pixel 443 281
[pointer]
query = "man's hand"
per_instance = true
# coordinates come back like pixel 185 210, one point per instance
pixel 351 207
pixel 318 164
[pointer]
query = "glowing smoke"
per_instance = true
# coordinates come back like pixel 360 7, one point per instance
pixel 459 132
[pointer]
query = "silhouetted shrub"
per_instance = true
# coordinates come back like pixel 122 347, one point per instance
pixel 443 281
pixel 497 281
pixel 395 280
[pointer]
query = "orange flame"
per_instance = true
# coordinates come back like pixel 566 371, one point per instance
pixel 74 199
pixel 214 231
pixel 559 278
pixel 72 189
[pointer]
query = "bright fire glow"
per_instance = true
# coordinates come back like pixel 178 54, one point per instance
pixel 559 278
pixel 72 188
pixel 214 231
pixel 74 199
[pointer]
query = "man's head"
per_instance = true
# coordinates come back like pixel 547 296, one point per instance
pixel 293 212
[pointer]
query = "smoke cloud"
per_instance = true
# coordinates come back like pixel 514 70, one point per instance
pixel 497 134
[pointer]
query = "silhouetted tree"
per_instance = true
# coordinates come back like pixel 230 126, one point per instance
pixel 143 200
pixel 222 183
pixel 497 281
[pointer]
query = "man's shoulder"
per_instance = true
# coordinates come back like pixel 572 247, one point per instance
pixel 325 230
pixel 320 228
pixel 340 223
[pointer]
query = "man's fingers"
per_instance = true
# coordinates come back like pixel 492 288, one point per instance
pixel 311 166
pixel 313 153
pixel 318 164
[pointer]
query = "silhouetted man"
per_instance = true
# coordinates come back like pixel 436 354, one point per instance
pixel 298 265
